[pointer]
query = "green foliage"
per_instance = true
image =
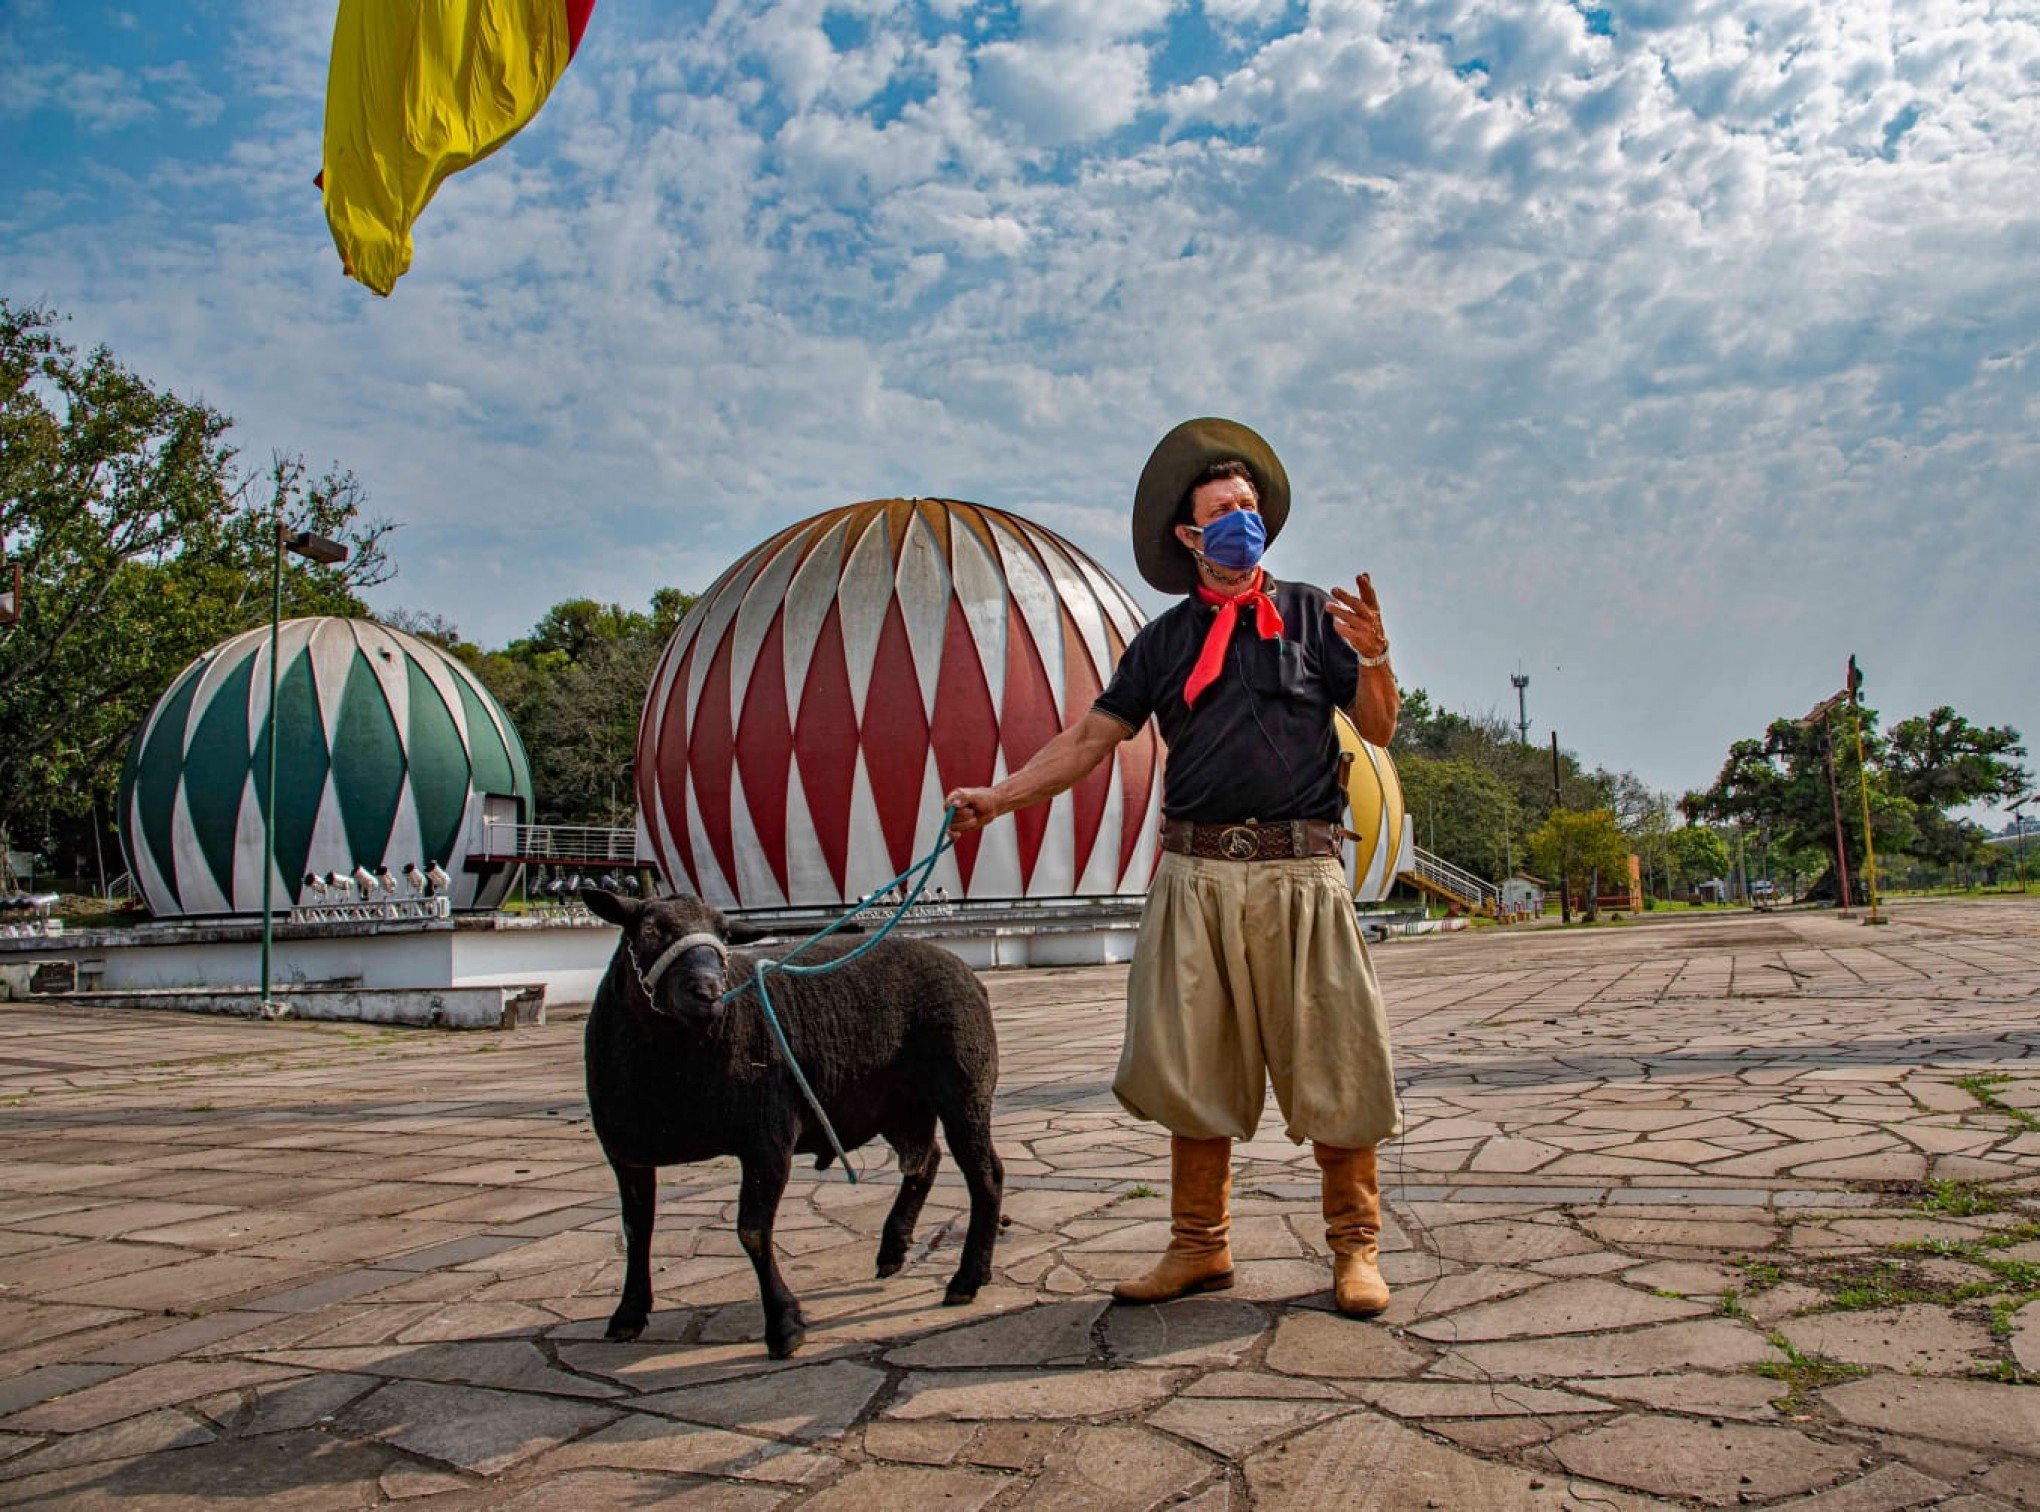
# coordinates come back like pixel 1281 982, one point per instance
pixel 1802 1374
pixel 1959 1199
pixel 1916 773
pixel 1698 853
pixel 1472 783
pixel 1463 813
pixel 1983 1086
pixel 1938 761
pixel 142 543
pixel 1572 844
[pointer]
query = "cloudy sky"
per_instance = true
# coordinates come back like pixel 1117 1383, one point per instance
pixel 1672 349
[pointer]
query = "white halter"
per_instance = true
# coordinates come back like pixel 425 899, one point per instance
pixel 649 979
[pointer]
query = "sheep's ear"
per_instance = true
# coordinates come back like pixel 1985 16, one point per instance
pixel 737 932
pixel 604 904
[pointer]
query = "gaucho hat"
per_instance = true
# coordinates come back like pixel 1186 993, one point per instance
pixel 1182 454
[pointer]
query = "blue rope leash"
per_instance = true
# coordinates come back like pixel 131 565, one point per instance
pixel 919 873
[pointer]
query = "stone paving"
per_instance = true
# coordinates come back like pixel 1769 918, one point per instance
pixel 1743 1210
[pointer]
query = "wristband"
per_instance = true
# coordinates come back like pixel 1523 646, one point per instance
pixel 1375 661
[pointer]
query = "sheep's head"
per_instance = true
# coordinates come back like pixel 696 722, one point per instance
pixel 677 949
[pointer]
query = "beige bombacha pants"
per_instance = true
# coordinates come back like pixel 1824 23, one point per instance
pixel 1248 972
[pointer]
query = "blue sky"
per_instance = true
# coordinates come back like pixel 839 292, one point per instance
pixel 1674 350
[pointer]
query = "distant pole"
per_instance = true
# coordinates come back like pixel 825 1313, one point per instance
pixel 1827 731
pixel 1863 785
pixel 1558 802
pixel 269 792
pixel 313 548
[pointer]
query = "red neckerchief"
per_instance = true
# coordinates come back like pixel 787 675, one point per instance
pixel 1211 660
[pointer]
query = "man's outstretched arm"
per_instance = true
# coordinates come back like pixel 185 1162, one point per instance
pixel 1058 766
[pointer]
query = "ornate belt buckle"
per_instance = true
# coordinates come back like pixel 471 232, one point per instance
pixel 1239 843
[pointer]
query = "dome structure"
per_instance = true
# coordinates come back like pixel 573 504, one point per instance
pixel 389 752
pixel 1376 813
pixel 819 700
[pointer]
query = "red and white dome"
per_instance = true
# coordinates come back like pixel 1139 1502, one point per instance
pixel 815 705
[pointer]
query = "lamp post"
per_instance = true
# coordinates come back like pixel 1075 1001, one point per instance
pixel 327 553
pixel 1855 682
pixel 2019 833
pixel 1819 715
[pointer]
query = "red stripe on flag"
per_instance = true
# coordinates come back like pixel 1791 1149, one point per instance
pixel 577 22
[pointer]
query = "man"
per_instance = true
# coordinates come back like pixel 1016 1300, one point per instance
pixel 1250 965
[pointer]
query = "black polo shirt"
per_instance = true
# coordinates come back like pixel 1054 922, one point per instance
pixel 1260 744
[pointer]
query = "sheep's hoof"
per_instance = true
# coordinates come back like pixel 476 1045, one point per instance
pixel 783 1346
pixel 623 1328
pixel 889 1267
pixel 959 1295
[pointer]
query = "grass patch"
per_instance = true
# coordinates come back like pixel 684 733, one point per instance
pixel 1732 1305
pixel 1802 1374
pixel 1761 1275
pixel 1143 1190
pixel 1960 1199
pixel 2002 1312
pixel 1865 1285
pixel 1983 1087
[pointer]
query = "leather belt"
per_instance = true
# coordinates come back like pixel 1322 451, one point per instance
pixel 1288 840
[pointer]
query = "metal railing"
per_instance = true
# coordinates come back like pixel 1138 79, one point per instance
pixel 564 842
pixel 437 907
pixel 1438 875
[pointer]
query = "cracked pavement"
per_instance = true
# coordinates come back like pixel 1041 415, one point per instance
pixel 1722 1210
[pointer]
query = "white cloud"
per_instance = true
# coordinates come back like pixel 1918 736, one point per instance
pixel 1063 92
pixel 1688 359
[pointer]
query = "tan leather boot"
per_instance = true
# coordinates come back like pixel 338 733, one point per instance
pixel 1353 1228
pixel 1198 1258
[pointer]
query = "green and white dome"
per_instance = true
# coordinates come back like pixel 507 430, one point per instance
pixel 389 752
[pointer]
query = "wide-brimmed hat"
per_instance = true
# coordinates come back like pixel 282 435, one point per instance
pixel 1182 454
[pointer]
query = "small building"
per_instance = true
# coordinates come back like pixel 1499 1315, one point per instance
pixel 1522 896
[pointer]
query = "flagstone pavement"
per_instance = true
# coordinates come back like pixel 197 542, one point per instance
pixel 1709 1212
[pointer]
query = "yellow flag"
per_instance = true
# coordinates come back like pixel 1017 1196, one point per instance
pixel 418 90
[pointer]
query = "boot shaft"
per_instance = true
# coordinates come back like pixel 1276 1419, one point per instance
pixel 1352 1195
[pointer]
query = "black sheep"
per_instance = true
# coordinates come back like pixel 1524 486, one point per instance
pixel 891 1043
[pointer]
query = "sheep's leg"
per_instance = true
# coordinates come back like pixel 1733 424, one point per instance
pixel 920 1157
pixel 638 1187
pixel 764 1183
pixel 967 1125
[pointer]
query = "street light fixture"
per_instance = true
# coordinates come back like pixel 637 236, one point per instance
pixel 325 553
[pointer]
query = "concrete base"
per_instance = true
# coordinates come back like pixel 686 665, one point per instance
pixel 420 1008
pixel 994 936
pixel 565 957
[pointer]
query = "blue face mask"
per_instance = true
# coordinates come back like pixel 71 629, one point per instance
pixel 1235 541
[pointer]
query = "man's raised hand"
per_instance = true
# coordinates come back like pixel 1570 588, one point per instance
pixel 1357 618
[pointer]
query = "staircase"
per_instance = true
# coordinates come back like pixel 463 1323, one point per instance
pixel 1450 884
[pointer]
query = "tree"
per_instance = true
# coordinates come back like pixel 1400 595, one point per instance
pixel 1698 854
pixel 1925 767
pixel 1462 813
pixel 1938 761
pixel 1490 742
pixel 1572 846
pixel 142 543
